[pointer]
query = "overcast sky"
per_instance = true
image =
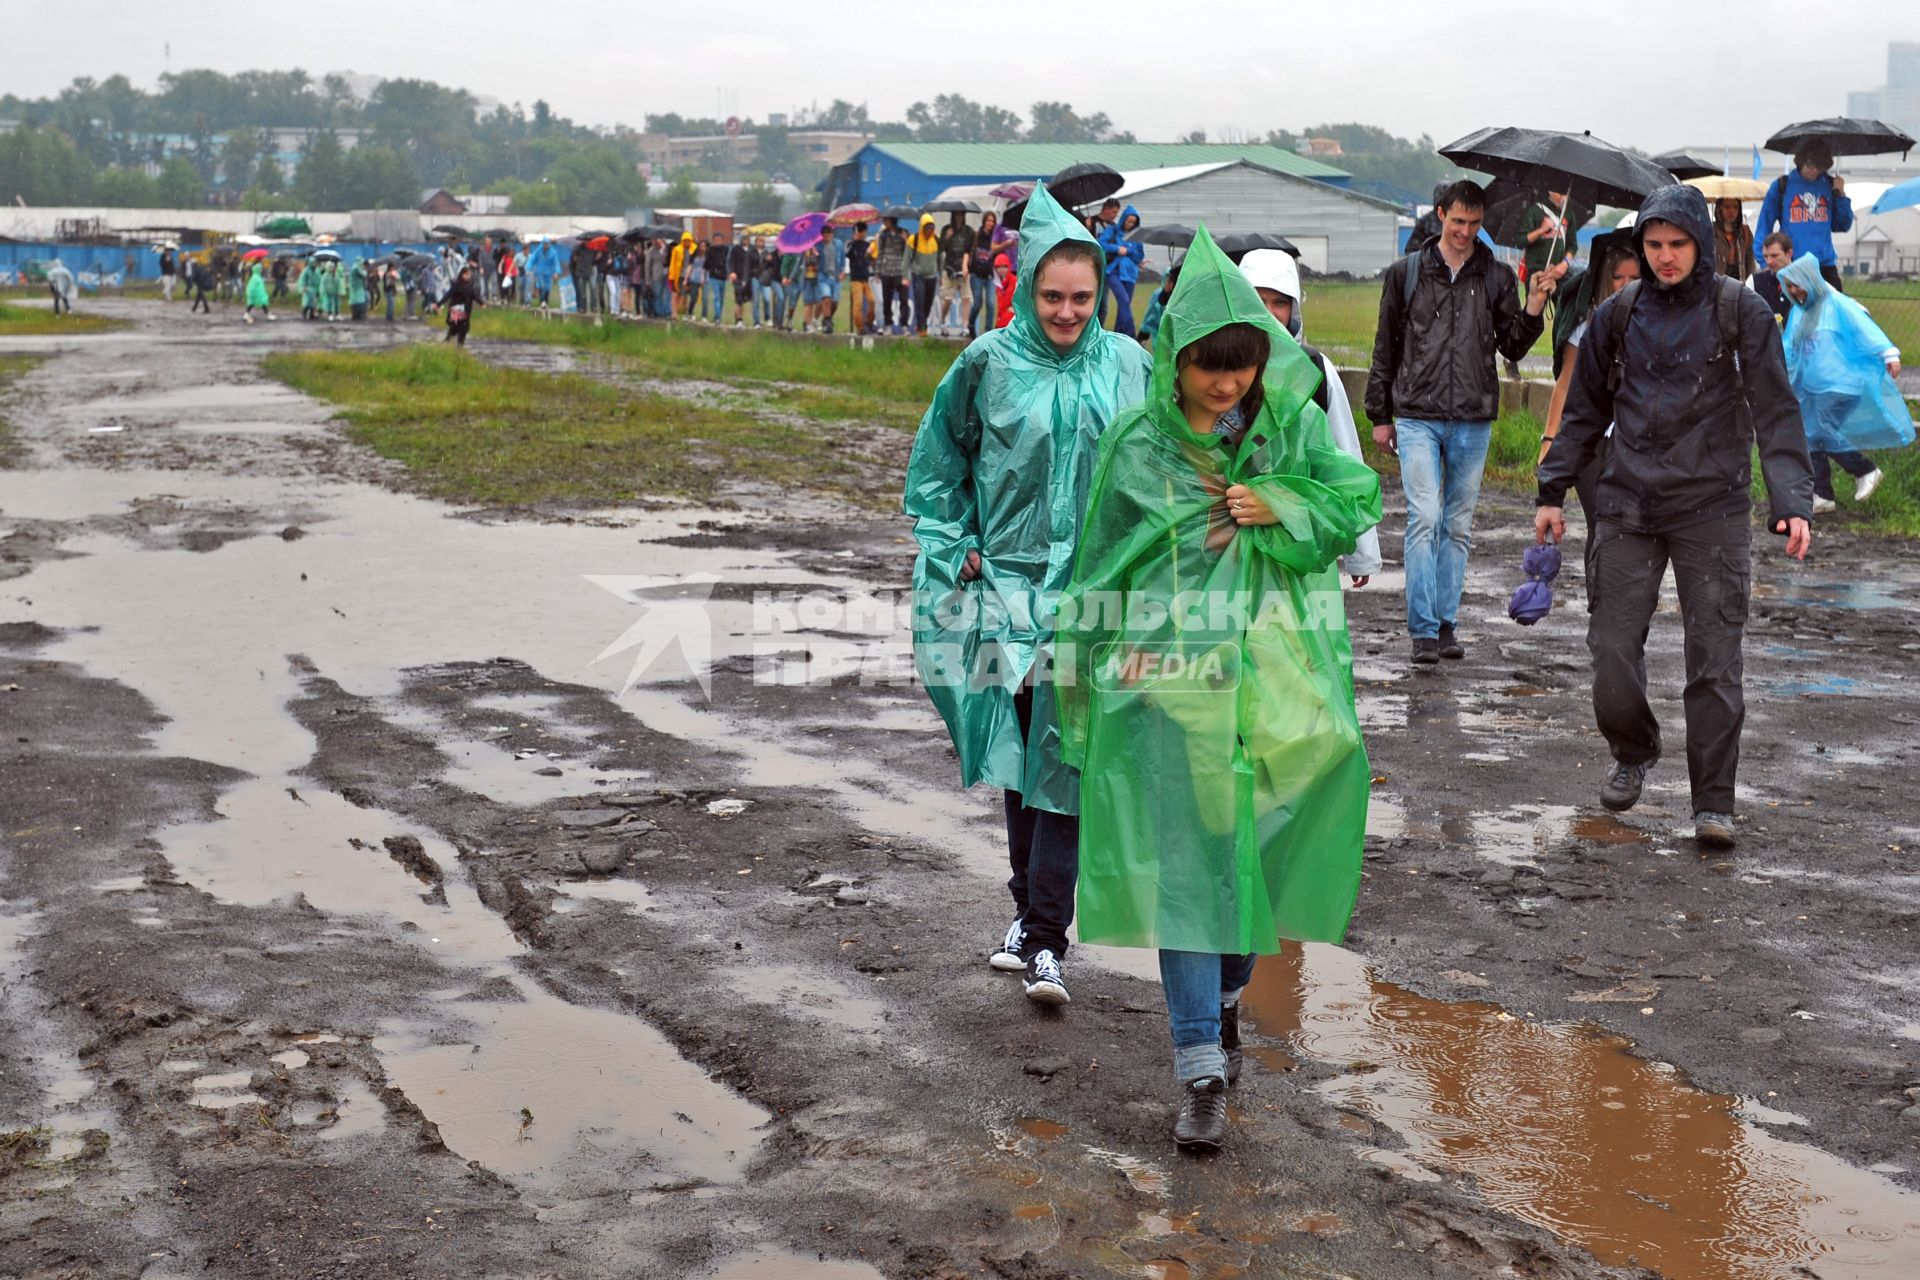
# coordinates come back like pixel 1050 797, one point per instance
pixel 1652 74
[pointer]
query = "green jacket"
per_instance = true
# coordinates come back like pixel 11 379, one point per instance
pixel 1001 465
pixel 925 265
pixel 1224 784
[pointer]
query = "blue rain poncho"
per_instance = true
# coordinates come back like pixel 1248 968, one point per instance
pixel 1837 363
pixel 1223 780
pixel 1002 465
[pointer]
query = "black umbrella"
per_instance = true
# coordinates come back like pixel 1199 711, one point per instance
pixel 1683 166
pixel 950 206
pixel 1079 184
pixel 898 211
pixel 1239 246
pixel 1579 164
pixel 1843 137
pixel 448 229
pixel 387 260
pixel 1176 234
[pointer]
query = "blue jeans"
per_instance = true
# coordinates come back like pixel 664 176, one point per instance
pixel 1440 468
pixel 794 292
pixel 716 297
pixel 1197 984
pixel 763 303
pixel 1122 291
pixel 982 301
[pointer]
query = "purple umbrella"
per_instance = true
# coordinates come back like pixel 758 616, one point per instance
pixel 1012 191
pixel 1533 598
pixel 804 232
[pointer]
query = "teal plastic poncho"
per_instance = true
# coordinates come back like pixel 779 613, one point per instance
pixel 1223 781
pixel 257 287
pixel 1836 361
pixel 357 285
pixel 1002 465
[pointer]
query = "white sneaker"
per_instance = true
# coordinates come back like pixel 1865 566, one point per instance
pixel 1864 487
pixel 1824 506
pixel 1045 983
pixel 1006 956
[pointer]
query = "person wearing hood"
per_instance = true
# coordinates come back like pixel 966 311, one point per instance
pixel 678 265
pixel 257 295
pixel 1809 204
pixel 357 289
pixel 1687 368
pixel 1123 267
pixel 1842 368
pixel 1732 239
pixel 1275 277
pixel 1433 393
pixel 997 485
pixel 343 290
pixel 308 283
pixel 1224 783
pixel 60 284
pixel 923 269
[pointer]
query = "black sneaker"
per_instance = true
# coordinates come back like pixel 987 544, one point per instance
pixel 1202 1125
pixel 1006 956
pixel 1713 830
pixel 1449 643
pixel 1230 1040
pixel 1045 983
pixel 1622 789
pixel 1426 651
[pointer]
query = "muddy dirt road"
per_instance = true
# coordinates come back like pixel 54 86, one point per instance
pixel 381 895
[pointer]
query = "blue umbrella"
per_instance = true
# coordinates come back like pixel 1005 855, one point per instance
pixel 1903 196
pixel 1533 598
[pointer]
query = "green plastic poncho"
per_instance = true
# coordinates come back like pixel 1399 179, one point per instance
pixel 357 285
pixel 1001 465
pixel 310 285
pixel 1224 784
pixel 257 287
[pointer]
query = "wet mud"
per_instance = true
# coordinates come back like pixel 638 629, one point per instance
pixel 375 901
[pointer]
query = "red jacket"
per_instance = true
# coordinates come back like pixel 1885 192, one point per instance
pixel 1003 295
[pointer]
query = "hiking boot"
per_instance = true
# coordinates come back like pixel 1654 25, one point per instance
pixel 1202 1125
pixel 1006 956
pixel 1426 651
pixel 1230 1040
pixel 1622 789
pixel 1713 830
pixel 1825 506
pixel 1450 643
pixel 1863 487
pixel 1045 983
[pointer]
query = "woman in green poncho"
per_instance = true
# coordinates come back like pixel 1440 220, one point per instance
pixel 357 290
pixel 1223 781
pixel 310 290
pixel 257 292
pixel 996 486
pixel 342 289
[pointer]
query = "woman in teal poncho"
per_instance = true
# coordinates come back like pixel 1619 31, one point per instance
pixel 257 292
pixel 996 486
pixel 1223 781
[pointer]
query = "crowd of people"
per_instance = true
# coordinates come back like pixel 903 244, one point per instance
pixel 1127 597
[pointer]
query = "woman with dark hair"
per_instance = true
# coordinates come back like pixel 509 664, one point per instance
pixel 460 304
pixel 1732 239
pixel 980 276
pixel 1223 781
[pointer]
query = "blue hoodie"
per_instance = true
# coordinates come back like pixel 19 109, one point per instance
pixel 1123 255
pixel 1813 213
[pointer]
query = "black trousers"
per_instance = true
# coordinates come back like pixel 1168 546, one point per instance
pixel 1832 276
pixel 1043 849
pixel 1851 461
pixel 1712 567
pixel 898 306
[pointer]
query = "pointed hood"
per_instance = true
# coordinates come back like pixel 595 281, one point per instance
pixel 1044 227
pixel 1805 272
pixel 1212 294
pixel 1685 208
pixel 929 238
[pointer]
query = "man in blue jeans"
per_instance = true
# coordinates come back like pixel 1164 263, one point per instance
pixel 1433 394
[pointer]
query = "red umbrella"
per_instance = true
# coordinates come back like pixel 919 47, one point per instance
pixel 598 243
pixel 251 254
pixel 852 215
pixel 804 232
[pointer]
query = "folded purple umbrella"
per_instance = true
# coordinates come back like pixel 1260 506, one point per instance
pixel 1533 598
pixel 804 232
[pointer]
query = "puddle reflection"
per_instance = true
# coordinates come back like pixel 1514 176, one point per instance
pixel 1561 1127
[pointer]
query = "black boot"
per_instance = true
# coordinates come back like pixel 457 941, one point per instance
pixel 1202 1125
pixel 1230 1040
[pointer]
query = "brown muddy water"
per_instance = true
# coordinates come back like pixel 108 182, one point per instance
pixel 1561 1125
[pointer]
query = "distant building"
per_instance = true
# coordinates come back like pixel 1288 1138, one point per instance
pixel 828 146
pixel 1898 101
pixel 884 173
pixel 1319 147
pixel 437 200
pixel 482 204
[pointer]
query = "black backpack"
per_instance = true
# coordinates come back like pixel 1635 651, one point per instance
pixel 1726 319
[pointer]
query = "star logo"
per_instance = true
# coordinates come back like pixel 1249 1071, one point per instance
pixel 673 616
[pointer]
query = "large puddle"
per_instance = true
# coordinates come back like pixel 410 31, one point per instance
pixel 1560 1126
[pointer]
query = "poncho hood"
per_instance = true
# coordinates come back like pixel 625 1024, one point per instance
pixel 1044 227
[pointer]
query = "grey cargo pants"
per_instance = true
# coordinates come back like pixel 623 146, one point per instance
pixel 1712 568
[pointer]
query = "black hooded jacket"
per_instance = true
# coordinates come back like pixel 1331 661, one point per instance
pixel 1433 357
pixel 1682 444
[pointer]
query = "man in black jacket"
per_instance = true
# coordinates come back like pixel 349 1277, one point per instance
pixel 1688 370
pixel 1433 394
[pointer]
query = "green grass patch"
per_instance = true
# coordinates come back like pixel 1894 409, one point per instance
pixel 473 432
pixel 890 383
pixel 11 368
pixel 30 321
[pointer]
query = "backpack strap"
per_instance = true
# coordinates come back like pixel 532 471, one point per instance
pixel 1617 331
pixel 1412 281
